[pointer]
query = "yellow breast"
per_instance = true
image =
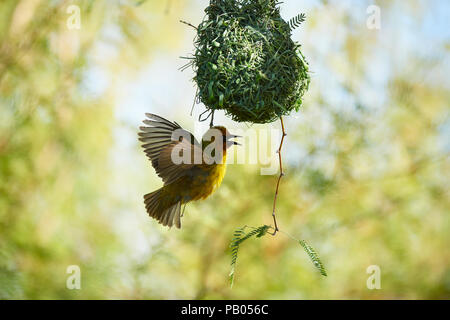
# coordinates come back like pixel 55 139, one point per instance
pixel 213 178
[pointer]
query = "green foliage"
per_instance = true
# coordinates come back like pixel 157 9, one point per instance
pixel 56 143
pixel 239 237
pixel 318 182
pixel 314 257
pixel 246 62
pixel 296 21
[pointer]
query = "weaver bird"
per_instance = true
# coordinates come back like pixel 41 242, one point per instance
pixel 190 171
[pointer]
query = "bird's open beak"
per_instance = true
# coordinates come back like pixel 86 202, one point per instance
pixel 231 136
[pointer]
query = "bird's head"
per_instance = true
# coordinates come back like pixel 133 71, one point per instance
pixel 222 135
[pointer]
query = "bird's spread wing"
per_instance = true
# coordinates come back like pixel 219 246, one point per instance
pixel 162 139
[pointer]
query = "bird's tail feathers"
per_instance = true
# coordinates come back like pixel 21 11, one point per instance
pixel 168 213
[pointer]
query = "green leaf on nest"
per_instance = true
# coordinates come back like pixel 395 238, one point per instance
pixel 296 21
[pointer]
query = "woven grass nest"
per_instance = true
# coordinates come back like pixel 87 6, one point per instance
pixel 246 62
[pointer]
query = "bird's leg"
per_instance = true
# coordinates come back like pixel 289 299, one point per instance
pixel 279 179
pixel 184 208
pixel 211 124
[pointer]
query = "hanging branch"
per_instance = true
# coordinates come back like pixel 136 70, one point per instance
pixel 279 179
pixel 240 235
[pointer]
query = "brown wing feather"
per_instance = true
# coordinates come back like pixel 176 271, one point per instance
pixel 171 172
pixel 158 141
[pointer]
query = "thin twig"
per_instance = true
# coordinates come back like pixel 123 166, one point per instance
pixel 195 98
pixel 189 24
pixel 279 179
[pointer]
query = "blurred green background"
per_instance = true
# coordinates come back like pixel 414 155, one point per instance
pixel 367 158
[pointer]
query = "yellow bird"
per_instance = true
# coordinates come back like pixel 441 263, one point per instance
pixel 190 171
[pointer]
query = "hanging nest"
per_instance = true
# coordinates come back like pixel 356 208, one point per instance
pixel 246 62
